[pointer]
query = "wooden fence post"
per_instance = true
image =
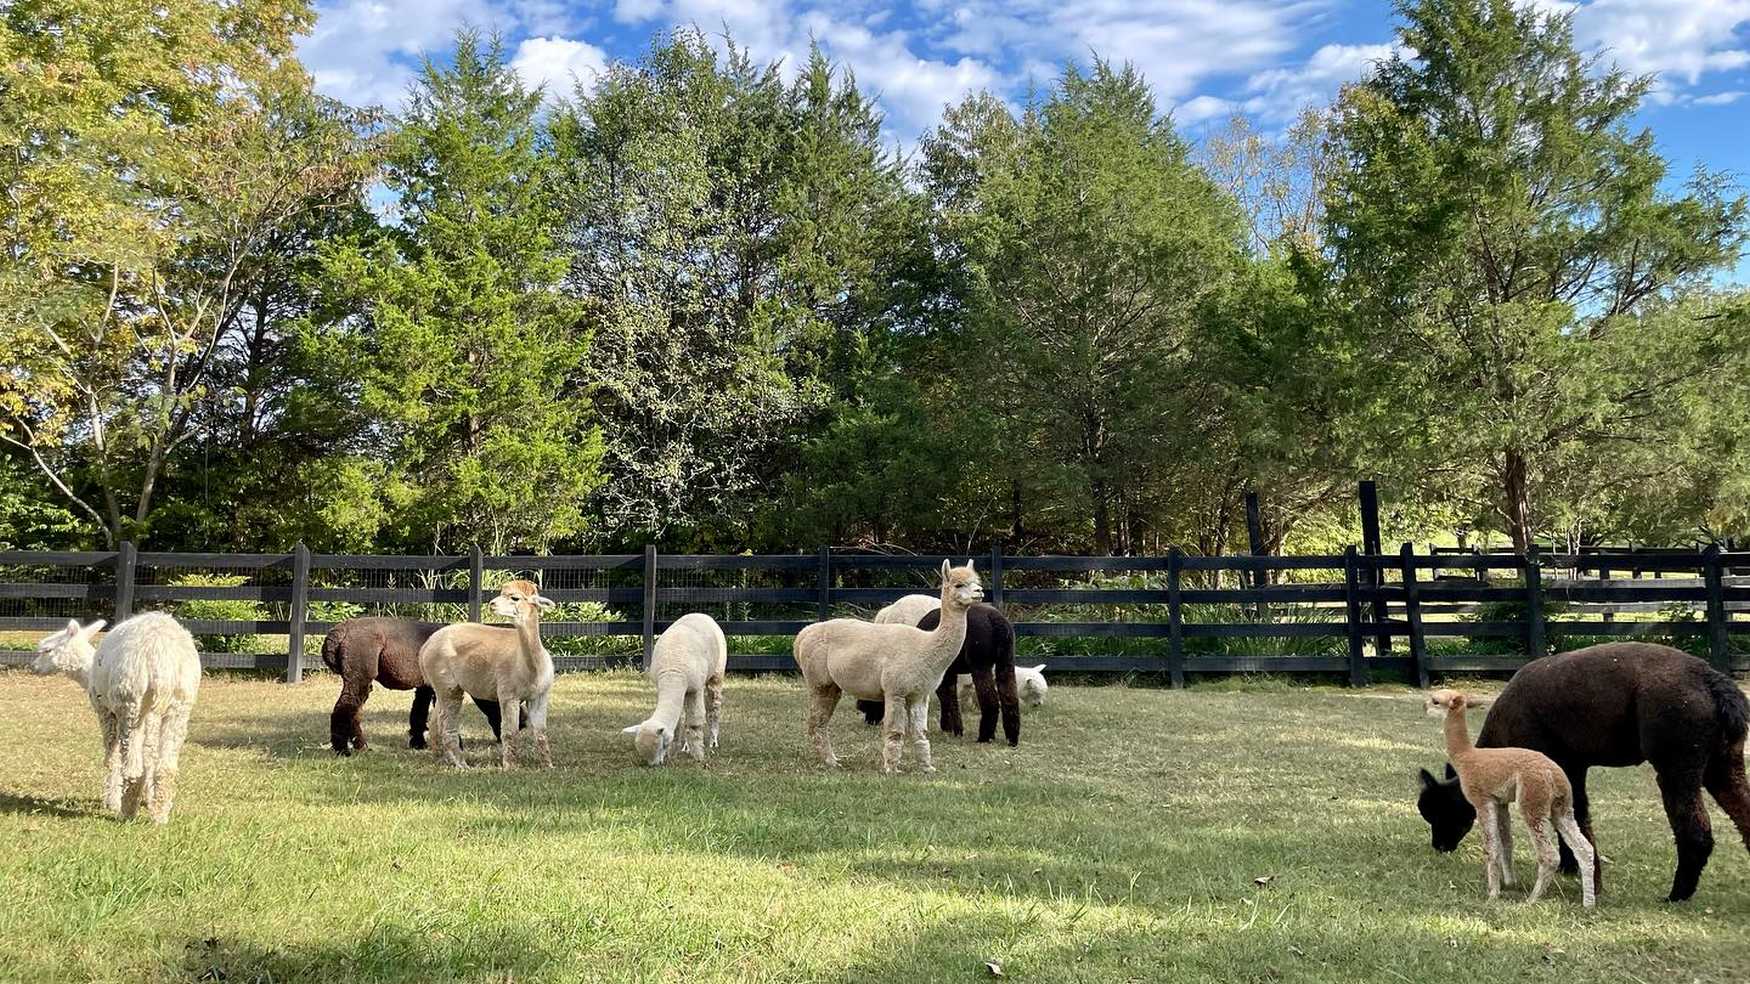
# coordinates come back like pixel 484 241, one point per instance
pixel 823 603
pixel 1175 632
pixel 300 610
pixel 1352 606
pixel 1373 546
pixel 476 582
pixel 126 558
pixel 1413 615
pixel 1533 566
pixel 1713 572
pixel 996 574
pixel 1255 541
pixel 649 603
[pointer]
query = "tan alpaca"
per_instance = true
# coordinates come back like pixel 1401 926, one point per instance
pixel 900 665
pixel 1492 779
pixel 492 662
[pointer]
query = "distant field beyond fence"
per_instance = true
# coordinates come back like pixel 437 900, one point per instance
pixel 1360 616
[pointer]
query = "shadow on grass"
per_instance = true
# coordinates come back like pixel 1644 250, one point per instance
pixel 66 809
pixel 384 953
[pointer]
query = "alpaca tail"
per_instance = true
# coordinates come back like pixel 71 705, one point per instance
pixel 332 645
pixel 1731 710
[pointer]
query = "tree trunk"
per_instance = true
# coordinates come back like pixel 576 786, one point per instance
pixel 1516 500
pixel 1102 519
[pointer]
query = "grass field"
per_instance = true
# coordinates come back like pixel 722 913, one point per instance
pixel 1124 841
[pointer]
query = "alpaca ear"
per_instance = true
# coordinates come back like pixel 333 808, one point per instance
pixel 630 729
pixel 93 629
pixel 1428 780
pixel 542 601
pixel 969 563
pixel 944 570
pixel 1477 704
pixel 1451 773
pixel 1039 669
pixel 72 628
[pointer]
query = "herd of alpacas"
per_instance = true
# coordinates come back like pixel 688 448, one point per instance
pixel 1612 705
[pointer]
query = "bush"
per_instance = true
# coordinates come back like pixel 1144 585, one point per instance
pixel 203 609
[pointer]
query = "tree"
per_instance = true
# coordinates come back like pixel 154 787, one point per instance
pixel 737 233
pixel 1494 232
pixel 1278 181
pixel 142 192
pixel 1086 244
pixel 462 353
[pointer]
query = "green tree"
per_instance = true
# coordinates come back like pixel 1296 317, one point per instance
pixel 463 353
pixel 1495 233
pixel 1085 246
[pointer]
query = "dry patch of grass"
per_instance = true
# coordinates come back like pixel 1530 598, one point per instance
pixel 1121 842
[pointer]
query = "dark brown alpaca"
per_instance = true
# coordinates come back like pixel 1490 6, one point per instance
pixel 1620 704
pixel 989 655
pixel 385 651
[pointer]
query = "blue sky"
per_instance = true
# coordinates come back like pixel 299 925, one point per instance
pixel 1205 58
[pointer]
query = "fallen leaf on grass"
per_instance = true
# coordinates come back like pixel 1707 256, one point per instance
pixel 1263 880
pixel 996 969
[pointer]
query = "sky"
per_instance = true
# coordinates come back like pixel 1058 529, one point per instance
pixel 1206 59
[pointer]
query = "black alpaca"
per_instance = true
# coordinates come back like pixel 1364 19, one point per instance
pixel 1620 704
pixel 989 655
pixel 386 651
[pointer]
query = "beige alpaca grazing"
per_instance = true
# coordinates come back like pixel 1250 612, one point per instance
pixel 1492 779
pixel 900 665
pixel 687 666
pixel 491 662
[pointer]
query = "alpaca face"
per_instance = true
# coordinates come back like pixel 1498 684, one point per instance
pixel 1449 815
pixel 517 600
pixel 67 651
pixel 963 585
pixel 1440 701
pixel 652 741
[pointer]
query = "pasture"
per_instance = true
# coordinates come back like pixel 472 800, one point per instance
pixel 1235 832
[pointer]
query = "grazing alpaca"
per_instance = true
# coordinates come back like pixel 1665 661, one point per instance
pixel 1620 704
pixel 512 668
pixel 1492 779
pixel 386 651
pixel 1029 683
pixel 901 664
pixel 687 667
pixel 142 681
pixel 988 657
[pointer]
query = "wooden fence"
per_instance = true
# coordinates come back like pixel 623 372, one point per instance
pixel 1382 609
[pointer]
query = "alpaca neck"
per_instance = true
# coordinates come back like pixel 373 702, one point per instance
pixel 948 635
pixel 1458 741
pixel 671 699
pixel 528 634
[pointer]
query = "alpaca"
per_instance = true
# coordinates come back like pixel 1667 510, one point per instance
pixel 512 668
pixel 1620 704
pixel 988 657
pixel 142 680
pixel 1492 779
pixel 908 610
pixel 386 651
pixel 687 667
pixel 1029 684
pixel 901 664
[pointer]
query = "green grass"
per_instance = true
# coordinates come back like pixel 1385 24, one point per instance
pixel 1119 843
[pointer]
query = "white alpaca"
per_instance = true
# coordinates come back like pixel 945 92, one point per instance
pixel 1029 683
pixel 909 610
pixel 899 664
pixel 142 681
pixel 687 667
pixel 491 662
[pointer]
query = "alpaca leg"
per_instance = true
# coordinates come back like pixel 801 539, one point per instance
pixel 696 725
pixel 345 732
pixel 149 752
pixel 169 756
pixel 985 687
pixel 133 738
pixel 447 742
pixel 1583 816
pixel 535 716
pixel 1584 854
pixel 1681 791
pixel 918 717
pixel 1491 824
pixel 1504 856
pixel 1725 780
pixel 893 728
pixel 821 704
pixel 1009 700
pixel 713 709
pixel 113 762
pixel 948 696
pixel 1548 857
pixel 511 711
pixel 419 716
pixel 495 718
pixel 872 710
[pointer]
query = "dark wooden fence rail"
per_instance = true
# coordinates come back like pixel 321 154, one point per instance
pixel 1382 598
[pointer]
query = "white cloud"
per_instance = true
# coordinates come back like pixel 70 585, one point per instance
pixel 1202 108
pixel 559 64
pixel 1279 93
pixel 1680 41
pixel 1721 98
